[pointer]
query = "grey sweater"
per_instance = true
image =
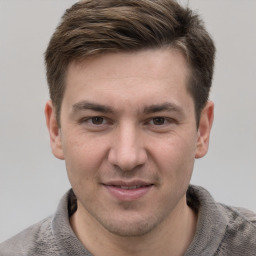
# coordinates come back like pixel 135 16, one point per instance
pixel 221 230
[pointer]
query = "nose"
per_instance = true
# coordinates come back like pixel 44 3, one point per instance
pixel 127 151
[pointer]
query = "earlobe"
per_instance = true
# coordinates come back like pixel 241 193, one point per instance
pixel 204 129
pixel 54 130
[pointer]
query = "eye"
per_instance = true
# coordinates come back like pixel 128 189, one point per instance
pixel 94 121
pixel 158 120
pixel 97 120
pixel 161 124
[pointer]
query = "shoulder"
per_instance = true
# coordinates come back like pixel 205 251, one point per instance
pixel 35 240
pixel 238 215
pixel 246 214
pixel 51 236
pixel 240 235
pixel 239 219
pixel 221 229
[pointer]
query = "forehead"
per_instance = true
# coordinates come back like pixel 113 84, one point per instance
pixel 149 74
pixel 150 62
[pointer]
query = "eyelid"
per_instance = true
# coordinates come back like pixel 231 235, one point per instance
pixel 160 118
pixel 166 120
pixel 88 120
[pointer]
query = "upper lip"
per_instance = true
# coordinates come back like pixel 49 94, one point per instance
pixel 127 183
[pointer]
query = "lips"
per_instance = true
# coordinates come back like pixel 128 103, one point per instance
pixel 131 187
pixel 128 191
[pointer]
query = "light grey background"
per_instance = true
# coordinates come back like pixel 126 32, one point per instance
pixel 32 180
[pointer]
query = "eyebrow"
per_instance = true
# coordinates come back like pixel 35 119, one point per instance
pixel 85 105
pixel 167 106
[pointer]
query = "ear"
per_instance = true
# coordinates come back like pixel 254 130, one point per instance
pixel 204 129
pixel 54 130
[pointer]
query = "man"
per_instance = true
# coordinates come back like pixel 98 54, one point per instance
pixel 129 112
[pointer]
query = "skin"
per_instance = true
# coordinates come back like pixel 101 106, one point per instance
pixel 128 119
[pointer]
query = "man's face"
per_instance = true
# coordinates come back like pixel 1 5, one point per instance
pixel 129 138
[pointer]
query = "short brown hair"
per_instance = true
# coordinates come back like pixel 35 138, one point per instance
pixel 93 27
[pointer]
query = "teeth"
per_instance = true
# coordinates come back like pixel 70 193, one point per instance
pixel 132 187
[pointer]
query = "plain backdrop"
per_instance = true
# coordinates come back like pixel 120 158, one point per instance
pixel 32 181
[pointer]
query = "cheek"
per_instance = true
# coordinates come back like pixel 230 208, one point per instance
pixel 83 158
pixel 175 157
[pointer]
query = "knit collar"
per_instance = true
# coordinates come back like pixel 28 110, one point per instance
pixel 210 229
pixel 211 224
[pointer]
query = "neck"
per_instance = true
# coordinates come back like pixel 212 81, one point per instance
pixel 172 237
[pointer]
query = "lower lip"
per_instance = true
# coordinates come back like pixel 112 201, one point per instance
pixel 128 194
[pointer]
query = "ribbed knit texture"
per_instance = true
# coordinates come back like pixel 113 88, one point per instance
pixel 221 231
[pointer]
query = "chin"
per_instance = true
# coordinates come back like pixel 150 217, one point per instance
pixel 130 227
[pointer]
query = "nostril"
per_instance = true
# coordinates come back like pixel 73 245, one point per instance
pixel 127 148
pixel 127 161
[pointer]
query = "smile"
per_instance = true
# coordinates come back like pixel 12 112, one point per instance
pixel 128 192
pixel 132 187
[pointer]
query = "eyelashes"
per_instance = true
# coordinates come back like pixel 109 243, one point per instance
pixel 100 123
pixel 160 121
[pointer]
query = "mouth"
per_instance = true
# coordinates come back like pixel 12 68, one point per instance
pixel 128 191
pixel 131 187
